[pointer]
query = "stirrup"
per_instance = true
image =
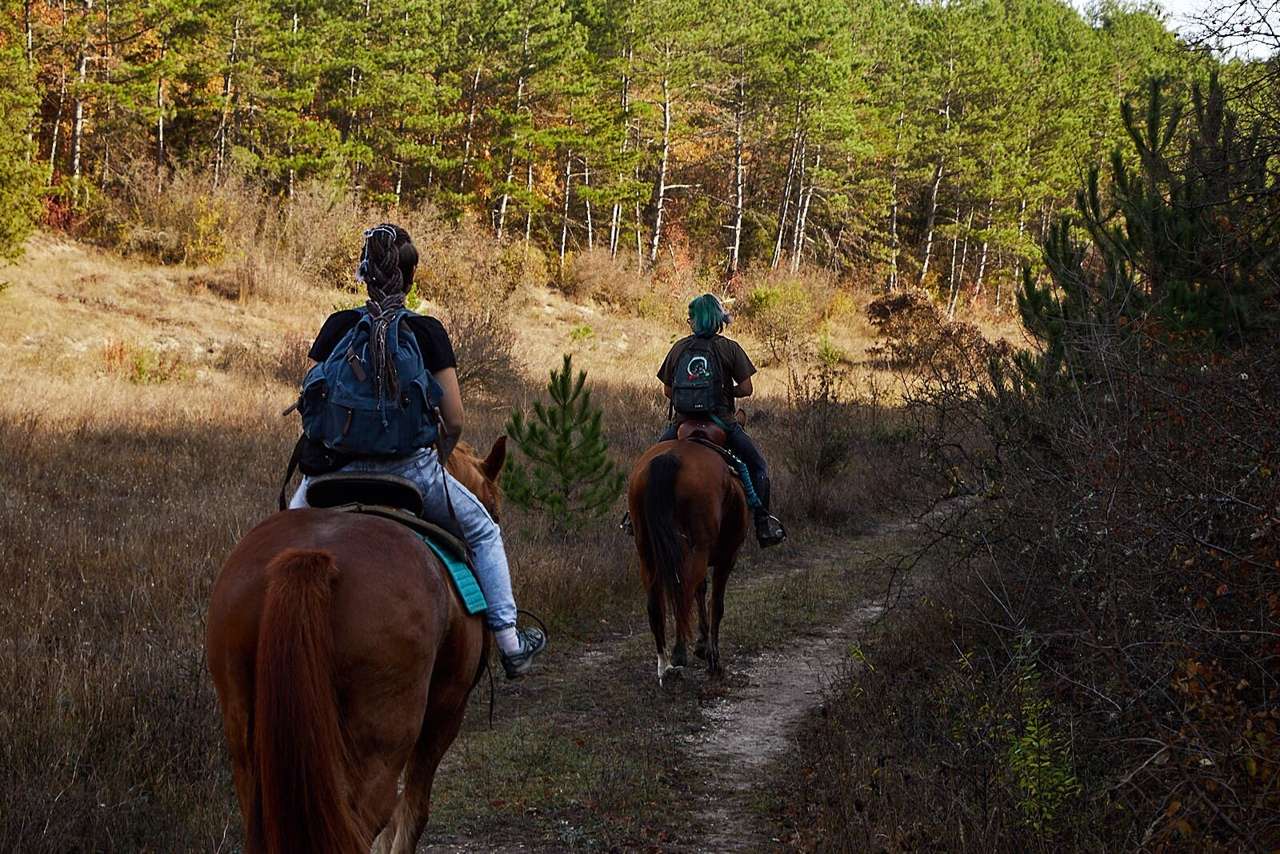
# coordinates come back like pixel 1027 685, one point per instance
pixel 769 531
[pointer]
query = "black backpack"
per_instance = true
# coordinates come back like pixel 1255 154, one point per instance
pixel 697 387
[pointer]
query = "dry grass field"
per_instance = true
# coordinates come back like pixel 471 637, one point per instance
pixel 142 436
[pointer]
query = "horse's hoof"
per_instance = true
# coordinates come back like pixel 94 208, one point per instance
pixel 674 674
pixel 679 658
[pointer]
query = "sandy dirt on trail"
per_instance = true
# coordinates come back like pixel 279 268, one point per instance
pixel 748 731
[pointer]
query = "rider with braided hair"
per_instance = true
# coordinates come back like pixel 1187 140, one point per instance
pixel 387 263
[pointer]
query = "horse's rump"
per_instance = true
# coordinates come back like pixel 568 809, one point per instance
pixel 303 761
pixel 327 631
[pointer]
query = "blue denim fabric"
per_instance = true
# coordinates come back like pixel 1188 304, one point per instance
pixel 482 533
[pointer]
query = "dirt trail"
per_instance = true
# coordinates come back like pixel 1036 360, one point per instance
pixel 746 722
pixel 754 726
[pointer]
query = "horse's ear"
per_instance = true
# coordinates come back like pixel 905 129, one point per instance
pixel 492 465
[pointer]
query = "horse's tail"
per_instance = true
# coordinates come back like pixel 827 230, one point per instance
pixel 663 545
pixel 300 755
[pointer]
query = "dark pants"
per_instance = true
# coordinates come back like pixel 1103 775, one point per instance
pixel 741 445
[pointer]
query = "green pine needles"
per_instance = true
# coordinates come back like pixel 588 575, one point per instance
pixel 1178 247
pixel 569 473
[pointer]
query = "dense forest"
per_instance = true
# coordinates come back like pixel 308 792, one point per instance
pixel 910 142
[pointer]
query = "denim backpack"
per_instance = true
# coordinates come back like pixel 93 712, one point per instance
pixel 341 405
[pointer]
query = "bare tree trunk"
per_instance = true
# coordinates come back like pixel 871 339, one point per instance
pixel 932 221
pixel 739 173
pixel 160 128
pixel 938 173
pixel 637 221
pixel 564 207
pixel 894 243
pixel 57 125
pixel 431 166
pixel 802 217
pixel 29 48
pixel 511 159
pixel 986 242
pixel 957 282
pixel 224 120
pixel 660 184
pixel 615 219
pixel 951 279
pixel 465 171
pixel 785 204
pixel 528 191
pixel 591 230
pixel 77 125
pixel 1013 265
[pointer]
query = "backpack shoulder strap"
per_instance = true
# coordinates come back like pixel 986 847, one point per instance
pixel 294 459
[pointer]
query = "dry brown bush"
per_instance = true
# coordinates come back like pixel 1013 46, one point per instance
pixel 181 217
pixel 483 341
pixel 596 275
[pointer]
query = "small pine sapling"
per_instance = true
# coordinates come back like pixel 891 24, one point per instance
pixel 568 473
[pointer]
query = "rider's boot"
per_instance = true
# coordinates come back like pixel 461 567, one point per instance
pixel 531 643
pixel 769 530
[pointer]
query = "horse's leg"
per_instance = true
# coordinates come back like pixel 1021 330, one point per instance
pixel 700 649
pixel 658 624
pixel 718 582
pixel 695 578
pixel 446 707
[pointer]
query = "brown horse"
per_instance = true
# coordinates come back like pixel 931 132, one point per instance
pixel 342 658
pixel 689 514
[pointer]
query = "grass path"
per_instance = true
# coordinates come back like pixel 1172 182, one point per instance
pixel 592 754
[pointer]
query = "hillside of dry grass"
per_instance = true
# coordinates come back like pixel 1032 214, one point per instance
pixel 142 434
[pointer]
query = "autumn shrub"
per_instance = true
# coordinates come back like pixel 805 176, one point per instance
pixel 597 275
pixel 483 340
pixel 1116 604
pixel 143 365
pixel 178 217
pixel 843 455
pixel 781 314
pixel 319 233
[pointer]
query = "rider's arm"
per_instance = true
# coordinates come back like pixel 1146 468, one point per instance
pixel 743 389
pixel 450 411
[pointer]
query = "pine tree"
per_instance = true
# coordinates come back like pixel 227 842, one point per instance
pixel 1182 246
pixel 569 473
pixel 19 177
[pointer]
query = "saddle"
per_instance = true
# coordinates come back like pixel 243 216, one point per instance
pixel 398 499
pixel 711 435
pixel 706 430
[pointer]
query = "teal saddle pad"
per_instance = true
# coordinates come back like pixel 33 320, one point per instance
pixel 464 580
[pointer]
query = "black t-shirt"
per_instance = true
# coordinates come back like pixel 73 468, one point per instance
pixel 437 355
pixel 735 367
pixel 433 341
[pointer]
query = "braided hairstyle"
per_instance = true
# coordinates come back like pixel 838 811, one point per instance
pixel 387 262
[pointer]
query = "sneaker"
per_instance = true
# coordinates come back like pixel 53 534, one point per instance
pixel 769 531
pixel 532 642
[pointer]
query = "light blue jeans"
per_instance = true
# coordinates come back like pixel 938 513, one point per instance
pixel 481 531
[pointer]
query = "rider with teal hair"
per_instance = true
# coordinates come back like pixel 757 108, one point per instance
pixel 707 319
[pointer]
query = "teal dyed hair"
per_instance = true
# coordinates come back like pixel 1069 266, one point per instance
pixel 707 316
